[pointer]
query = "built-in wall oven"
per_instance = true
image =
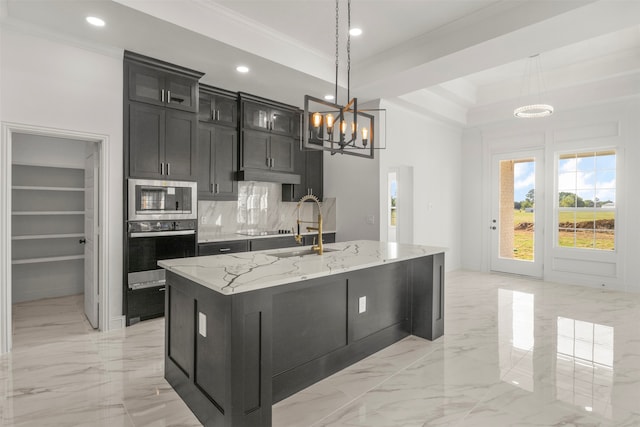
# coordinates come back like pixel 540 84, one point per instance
pixel 161 225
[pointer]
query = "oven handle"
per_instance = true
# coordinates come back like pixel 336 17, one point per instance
pixel 163 233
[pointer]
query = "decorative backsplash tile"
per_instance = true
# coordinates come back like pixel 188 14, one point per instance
pixel 259 208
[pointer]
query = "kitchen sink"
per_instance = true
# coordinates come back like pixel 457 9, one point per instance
pixel 301 253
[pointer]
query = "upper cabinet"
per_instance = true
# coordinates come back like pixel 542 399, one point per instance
pixel 161 119
pixel 217 162
pixel 217 144
pixel 268 118
pixel 218 106
pixel 267 140
pixel 160 83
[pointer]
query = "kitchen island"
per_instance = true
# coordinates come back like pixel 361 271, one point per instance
pixel 246 330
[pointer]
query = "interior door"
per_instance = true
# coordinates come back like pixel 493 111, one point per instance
pixel 91 236
pixel 517 214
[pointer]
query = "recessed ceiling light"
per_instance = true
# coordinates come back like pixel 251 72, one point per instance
pixel 242 69
pixel 329 97
pixel 355 31
pixel 95 21
pixel 588 408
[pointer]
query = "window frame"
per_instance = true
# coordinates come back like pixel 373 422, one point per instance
pixel 581 149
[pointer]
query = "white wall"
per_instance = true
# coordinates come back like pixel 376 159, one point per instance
pixel 56 85
pixel 353 181
pixel 433 149
pixel 613 125
pixel 473 252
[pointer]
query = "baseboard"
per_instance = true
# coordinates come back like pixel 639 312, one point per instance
pixel 118 322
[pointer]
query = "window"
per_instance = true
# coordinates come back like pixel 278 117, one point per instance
pixel 586 200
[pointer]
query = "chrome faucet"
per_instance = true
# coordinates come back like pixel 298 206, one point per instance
pixel 317 248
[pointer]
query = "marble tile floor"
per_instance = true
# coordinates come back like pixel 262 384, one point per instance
pixel 516 352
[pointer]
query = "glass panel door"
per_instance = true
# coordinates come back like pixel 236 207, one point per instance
pixel 516 242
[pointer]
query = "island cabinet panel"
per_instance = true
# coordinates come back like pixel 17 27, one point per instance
pixel 180 346
pixel 232 356
pixel 378 299
pixel 210 370
pixel 250 360
pixel 297 339
pixel 428 297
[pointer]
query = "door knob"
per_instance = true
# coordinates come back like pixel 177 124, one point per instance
pixel 493 227
pixel 82 241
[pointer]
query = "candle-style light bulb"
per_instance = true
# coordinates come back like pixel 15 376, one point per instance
pixel 317 120
pixel 329 119
pixel 343 127
pixel 365 136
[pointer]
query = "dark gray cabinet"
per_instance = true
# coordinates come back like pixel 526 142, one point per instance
pixel 272 243
pixel 160 87
pixel 217 162
pixel 218 106
pixel 269 118
pixel 160 131
pixel 161 142
pixel 221 248
pixel 265 151
pixel 264 345
pixel 309 239
pixel 309 165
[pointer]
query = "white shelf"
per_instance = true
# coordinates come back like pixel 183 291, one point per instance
pixel 47 236
pixel 49 259
pixel 30 187
pixel 32 213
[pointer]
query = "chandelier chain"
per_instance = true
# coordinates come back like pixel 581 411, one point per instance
pixel 348 49
pixel 337 48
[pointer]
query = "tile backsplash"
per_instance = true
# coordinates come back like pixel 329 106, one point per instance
pixel 259 208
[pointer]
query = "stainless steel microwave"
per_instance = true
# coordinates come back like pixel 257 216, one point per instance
pixel 162 200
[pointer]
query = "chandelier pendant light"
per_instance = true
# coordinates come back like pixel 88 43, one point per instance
pixel 533 86
pixel 338 128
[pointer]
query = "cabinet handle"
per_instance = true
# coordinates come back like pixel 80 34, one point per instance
pixel 218 115
pixel 211 188
pixel 273 162
pixel 162 95
pixel 168 168
pixel 161 168
pixel 217 188
pixel 168 97
pixel 225 249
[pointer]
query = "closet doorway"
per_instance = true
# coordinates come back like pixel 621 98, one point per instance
pixel 55 222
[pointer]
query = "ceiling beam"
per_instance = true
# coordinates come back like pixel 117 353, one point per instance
pixel 467 46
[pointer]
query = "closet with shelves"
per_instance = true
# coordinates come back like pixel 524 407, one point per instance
pixel 47 230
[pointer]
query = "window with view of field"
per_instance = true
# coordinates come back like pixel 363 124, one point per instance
pixel 586 200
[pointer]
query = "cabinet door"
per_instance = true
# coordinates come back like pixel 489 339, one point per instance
pixel 314 172
pixel 146 140
pixel 226 110
pixel 225 160
pixel 255 149
pixel 205 107
pixel 283 121
pixel 255 116
pixel 221 248
pixel 146 85
pixel 205 161
pixel 180 92
pixel 282 153
pixel 180 145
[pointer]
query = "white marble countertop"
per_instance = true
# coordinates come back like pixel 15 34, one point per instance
pixel 248 271
pixel 215 238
